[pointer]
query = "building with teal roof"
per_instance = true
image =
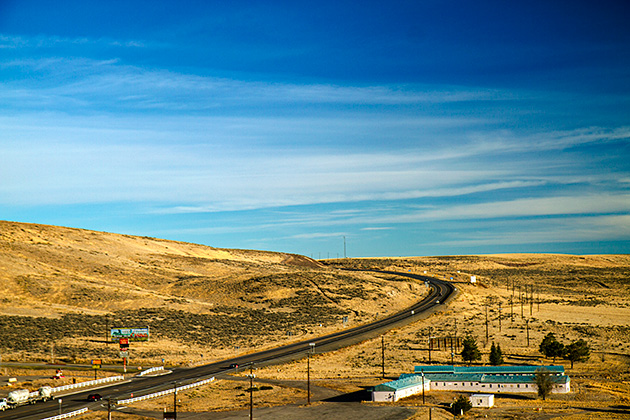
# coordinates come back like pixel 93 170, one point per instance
pixel 402 387
pixel 476 379
pixel 487 370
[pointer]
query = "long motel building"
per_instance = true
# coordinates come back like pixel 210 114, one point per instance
pixel 478 379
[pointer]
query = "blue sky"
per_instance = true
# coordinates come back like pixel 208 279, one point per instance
pixel 407 127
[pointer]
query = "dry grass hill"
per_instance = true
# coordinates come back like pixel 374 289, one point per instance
pixel 67 286
pixel 61 288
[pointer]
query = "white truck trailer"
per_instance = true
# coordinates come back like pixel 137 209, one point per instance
pixel 24 396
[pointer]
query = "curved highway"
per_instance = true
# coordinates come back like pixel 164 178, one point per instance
pixel 440 292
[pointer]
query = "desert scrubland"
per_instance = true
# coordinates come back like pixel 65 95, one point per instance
pixel 62 288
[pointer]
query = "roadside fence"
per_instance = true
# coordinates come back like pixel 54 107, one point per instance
pixel 151 370
pixel 88 383
pixel 68 415
pixel 162 393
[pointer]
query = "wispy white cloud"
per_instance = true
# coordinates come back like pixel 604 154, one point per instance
pixel 49 41
pixel 213 165
pixel 318 235
pixel 99 83
pixel 565 230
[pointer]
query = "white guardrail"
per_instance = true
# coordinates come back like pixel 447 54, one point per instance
pixel 88 383
pixel 151 370
pixel 68 415
pixel 162 393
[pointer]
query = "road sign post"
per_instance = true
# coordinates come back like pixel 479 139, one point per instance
pixel 96 364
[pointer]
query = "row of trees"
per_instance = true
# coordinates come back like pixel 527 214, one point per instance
pixel 578 351
pixel 470 352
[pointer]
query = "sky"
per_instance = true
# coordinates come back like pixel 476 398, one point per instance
pixel 328 129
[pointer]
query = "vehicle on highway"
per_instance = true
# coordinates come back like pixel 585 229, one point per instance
pixel 3 404
pixel 234 366
pixel 24 396
pixel 94 397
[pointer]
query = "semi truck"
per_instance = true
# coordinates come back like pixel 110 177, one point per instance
pixel 24 396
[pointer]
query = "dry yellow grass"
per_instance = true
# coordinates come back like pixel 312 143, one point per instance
pixel 55 272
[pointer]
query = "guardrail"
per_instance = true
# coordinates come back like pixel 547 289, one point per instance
pixel 88 383
pixel 151 370
pixel 162 393
pixel 68 415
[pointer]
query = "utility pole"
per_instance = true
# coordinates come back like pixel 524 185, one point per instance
pixel 308 379
pixel 430 344
pixel 383 356
pixel 487 336
pixel 109 408
pixel 422 371
pixel 500 316
pixel 344 247
pixel 531 300
pixel 308 372
pixel 527 323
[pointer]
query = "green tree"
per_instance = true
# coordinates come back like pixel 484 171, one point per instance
pixel 470 352
pixel 496 355
pixel 578 351
pixel 544 382
pixel 551 347
pixel 461 405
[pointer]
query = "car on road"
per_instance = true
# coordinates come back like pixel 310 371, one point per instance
pixel 94 397
pixel 3 404
pixel 234 366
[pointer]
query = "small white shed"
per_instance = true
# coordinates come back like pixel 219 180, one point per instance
pixel 482 400
pixel 473 279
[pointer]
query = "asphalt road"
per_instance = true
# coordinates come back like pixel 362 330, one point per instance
pixel 440 291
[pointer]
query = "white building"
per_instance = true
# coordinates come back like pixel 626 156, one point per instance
pixel 482 400
pixel 400 388
pixel 477 379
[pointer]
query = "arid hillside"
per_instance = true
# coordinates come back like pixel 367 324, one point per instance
pixel 62 288
pixel 65 286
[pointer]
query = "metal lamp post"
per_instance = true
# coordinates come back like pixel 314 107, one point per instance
pixel 175 400
pixel 251 377
pixel 308 372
